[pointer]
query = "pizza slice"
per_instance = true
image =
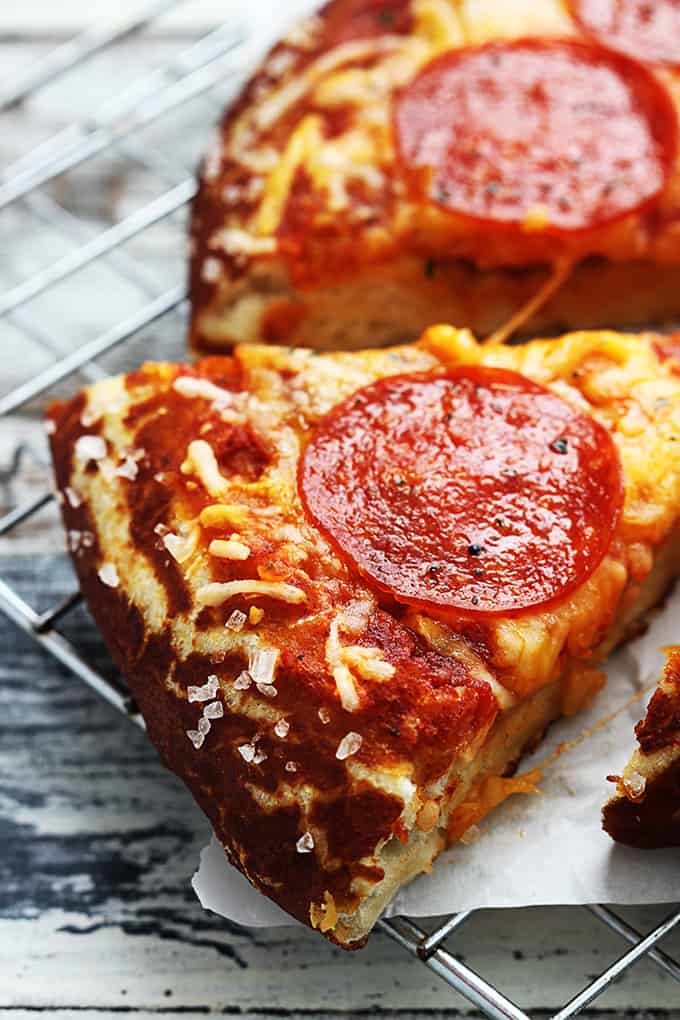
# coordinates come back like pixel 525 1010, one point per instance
pixel 393 163
pixel 349 591
pixel 645 810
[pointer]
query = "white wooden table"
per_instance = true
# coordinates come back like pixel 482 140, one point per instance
pixel 97 841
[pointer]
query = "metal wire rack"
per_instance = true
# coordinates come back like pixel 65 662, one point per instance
pixel 196 73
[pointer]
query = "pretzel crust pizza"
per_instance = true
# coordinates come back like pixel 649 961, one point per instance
pixel 397 162
pixel 350 590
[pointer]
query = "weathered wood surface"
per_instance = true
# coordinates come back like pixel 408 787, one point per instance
pixel 97 841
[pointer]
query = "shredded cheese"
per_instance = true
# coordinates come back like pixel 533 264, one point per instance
pixel 189 386
pixel 231 549
pixel 221 515
pixel 368 662
pixel 307 137
pixel 216 593
pixel 235 241
pixel 201 461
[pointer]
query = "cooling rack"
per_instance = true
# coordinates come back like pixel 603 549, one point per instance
pixel 202 72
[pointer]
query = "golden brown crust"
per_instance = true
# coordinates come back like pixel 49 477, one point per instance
pixel 303 230
pixel 645 812
pixel 168 540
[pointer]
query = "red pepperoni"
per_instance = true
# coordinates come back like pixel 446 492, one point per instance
pixel 494 133
pixel 346 20
pixel 646 29
pixel 477 490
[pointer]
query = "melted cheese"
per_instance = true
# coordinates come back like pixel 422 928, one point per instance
pixel 324 916
pixel 306 138
pixel 486 796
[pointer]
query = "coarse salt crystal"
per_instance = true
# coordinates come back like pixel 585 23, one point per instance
pixel 324 716
pixel 247 751
pixel 206 692
pixel 72 496
pixel 243 681
pixel 204 725
pixel 215 710
pixel 196 738
pixel 262 663
pixel 89 448
pixel 128 469
pixel 179 548
pixel 290 766
pixel 281 729
pixel 260 756
pixel 236 620
pixel 634 785
pixel 211 270
pixel 161 529
pixel 305 844
pixel 108 575
pixel 268 690
pixel 348 746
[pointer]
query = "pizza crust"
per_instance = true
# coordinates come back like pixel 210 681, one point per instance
pixel 390 303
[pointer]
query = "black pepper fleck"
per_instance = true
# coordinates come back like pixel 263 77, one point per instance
pixel 475 550
pixel 560 445
pixel 475 600
pixel 430 268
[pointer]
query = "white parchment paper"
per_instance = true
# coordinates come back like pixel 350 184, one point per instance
pixel 546 848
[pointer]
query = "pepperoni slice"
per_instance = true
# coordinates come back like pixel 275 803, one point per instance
pixel 564 133
pixel 646 29
pixel 476 491
pixel 346 20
